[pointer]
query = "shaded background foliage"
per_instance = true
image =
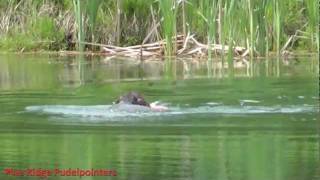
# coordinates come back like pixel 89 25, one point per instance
pixel 53 25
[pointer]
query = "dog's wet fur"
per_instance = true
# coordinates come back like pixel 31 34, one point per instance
pixel 133 98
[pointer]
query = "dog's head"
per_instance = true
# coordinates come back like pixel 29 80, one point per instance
pixel 133 98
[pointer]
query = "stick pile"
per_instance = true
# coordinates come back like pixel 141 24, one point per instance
pixel 187 46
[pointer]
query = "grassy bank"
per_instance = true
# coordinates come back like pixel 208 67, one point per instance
pixel 259 25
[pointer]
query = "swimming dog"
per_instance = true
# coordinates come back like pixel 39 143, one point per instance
pixel 132 98
pixel 135 98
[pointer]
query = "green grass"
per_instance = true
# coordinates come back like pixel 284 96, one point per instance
pixel 168 24
pixel 259 25
pixel 92 12
pixel 79 20
pixel 277 24
pixel 312 7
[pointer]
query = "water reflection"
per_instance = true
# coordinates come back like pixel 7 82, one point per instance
pixel 21 72
pixel 218 155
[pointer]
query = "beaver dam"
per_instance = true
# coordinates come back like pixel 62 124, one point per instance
pixel 184 46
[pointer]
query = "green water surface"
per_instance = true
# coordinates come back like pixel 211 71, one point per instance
pixel 279 145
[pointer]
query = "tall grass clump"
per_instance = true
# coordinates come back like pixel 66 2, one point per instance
pixel 262 27
pixel 29 25
pixel 312 7
pixel 85 10
pixel 267 38
pixel 137 17
pixel 277 24
pixel 78 11
pixel 230 26
pixel 211 26
pixel 209 9
pixel 251 31
pixel 259 25
pixel 168 12
pixel 195 18
pixel 92 11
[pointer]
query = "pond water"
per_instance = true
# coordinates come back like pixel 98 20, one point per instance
pixel 256 121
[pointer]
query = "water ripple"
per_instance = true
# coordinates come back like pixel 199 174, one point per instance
pixel 112 111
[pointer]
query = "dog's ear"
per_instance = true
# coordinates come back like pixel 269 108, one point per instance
pixel 135 100
pixel 142 102
pixel 118 100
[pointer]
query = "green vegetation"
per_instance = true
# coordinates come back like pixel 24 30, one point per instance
pixel 169 13
pixel 79 22
pixel 313 15
pixel 260 26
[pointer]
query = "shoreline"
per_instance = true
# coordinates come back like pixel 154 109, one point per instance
pixel 62 53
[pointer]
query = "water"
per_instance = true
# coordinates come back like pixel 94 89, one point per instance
pixel 256 122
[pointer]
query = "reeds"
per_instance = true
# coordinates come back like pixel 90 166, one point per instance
pixel 168 11
pixel 211 13
pixel 259 25
pixel 277 24
pixel 79 19
pixel 312 7
pixel 92 11
pixel 251 33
